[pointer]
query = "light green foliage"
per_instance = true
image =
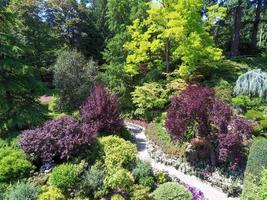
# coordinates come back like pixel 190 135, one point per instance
pixel 175 86
pixel 117 197
pixel 142 169
pixel 118 153
pixel 255 115
pixel 22 191
pixel 257 162
pixel 120 179
pixel 64 176
pixel 51 193
pixel 263 186
pixel 177 29
pixel 224 90
pixel 147 181
pixel 74 76
pixel 244 102
pixel 140 192
pixel 215 13
pixel 161 177
pixel 150 96
pixel 13 164
pixel 92 180
pixel 172 191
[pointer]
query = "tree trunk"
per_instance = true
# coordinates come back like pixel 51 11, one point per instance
pixel 236 35
pixel 167 55
pixel 255 27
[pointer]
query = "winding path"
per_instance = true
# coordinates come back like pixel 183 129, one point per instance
pixel 210 193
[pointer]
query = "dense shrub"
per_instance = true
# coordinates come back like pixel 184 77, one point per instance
pixel 58 139
pixel 147 181
pixel 253 83
pixel 22 191
pixel 63 176
pixel 172 191
pixel 73 77
pixel 101 109
pixel 51 193
pixel 257 162
pixel 13 164
pixel 149 97
pixel 120 179
pixel 263 186
pixel 140 192
pixel 161 177
pixel 117 197
pixel 142 169
pixel 255 115
pixel 92 180
pixel 224 90
pixel 118 153
pixel 199 105
pixel 245 103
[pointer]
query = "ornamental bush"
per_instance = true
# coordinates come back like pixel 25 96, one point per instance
pixel 140 192
pixel 101 109
pixel 57 140
pixel 147 181
pixel 13 164
pixel 117 153
pixel 255 115
pixel 117 197
pixel 63 176
pixel 74 77
pixel 199 105
pixel 257 162
pixel 142 169
pixel 22 191
pixel 171 191
pixel 263 186
pixel 51 193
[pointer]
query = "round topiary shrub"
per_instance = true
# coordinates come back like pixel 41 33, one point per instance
pixel 51 193
pixel 22 191
pixel 13 164
pixel 171 191
pixel 117 197
pixel 64 176
pixel 118 153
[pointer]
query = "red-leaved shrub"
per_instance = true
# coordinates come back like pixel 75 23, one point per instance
pixel 101 109
pixel 215 121
pixel 57 140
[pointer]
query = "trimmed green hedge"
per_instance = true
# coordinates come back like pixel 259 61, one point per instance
pixel 257 162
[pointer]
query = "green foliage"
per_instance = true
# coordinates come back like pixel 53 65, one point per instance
pixel 120 179
pixel 117 197
pixel 22 191
pixel 224 90
pixel 257 162
pixel 245 103
pixel 142 169
pixel 63 176
pixel 140 192
pixel 172 191
pixel 149 97
pixel 161 177
pixel 13 164
pixel 92 180
pixel 172 32
pixel 118 153
pixel 147 181
pixel 74 76
pixel 255 115
pixel 263 186
pixel 51 193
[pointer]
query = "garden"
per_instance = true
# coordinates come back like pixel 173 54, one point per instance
pixel 133 100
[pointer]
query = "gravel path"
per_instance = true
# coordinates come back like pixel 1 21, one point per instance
pixel 211 193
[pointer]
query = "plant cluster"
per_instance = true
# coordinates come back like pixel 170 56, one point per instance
pixel 215 121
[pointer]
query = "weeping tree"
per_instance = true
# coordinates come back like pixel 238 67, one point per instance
pixel 253 83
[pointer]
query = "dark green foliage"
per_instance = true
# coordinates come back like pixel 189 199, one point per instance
pixel 147 181
pixel 142 169
pixel 64 176
pixel 22 191
pixel 92 180
pixel 74 77
pixel 257 162
pixel 13 164
pixel 171 191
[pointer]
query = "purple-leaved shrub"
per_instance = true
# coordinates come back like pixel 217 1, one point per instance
pixel 101 109
pixel 57 140
pixel 216 123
